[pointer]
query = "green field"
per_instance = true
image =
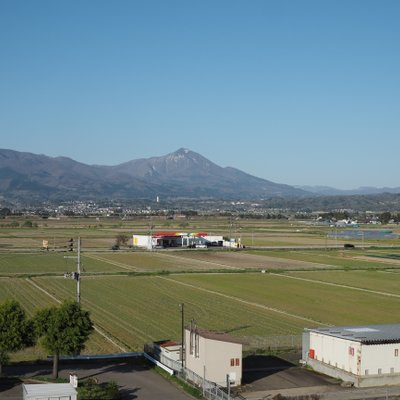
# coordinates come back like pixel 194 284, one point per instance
pixel 133 296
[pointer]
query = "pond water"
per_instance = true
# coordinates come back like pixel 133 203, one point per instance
pixel 364 233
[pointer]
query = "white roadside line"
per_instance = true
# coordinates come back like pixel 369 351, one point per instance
pixel 98 330
pixel 250 303
pixel 338 285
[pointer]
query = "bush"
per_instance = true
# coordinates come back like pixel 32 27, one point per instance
pixel 92 390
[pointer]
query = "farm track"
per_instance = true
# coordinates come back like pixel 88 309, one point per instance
pixel 250 303
pixel 338 285
pixel 96 328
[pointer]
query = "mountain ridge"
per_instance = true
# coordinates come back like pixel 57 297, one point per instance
pixel 182 173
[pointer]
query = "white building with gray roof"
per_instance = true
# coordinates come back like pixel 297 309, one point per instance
pixel 366 355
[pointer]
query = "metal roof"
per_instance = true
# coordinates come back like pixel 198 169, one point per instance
pixel 49 389
pixel 219 336
pixel 365 334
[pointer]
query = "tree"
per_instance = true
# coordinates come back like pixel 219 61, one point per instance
pixel 4 212
pixel 16 330
pixel 121 239
pixel 385 217
pixel 63 330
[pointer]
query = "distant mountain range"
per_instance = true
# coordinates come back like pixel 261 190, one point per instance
pixel 184 174
pixel 27 177
pixel 329 191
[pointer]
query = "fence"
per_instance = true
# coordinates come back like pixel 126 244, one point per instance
pixel 154 351
pixel 210 390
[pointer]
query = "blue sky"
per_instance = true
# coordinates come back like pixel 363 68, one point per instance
pixel 298 92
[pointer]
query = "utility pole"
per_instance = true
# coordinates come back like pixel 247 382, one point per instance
pixel 78 278
pixel 182 305
pixel 75 275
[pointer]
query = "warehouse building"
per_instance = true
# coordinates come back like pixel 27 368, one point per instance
pixel 363 355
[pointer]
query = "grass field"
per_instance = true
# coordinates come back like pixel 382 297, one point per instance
pixel 134 296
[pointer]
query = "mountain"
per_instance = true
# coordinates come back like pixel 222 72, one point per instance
pixel 364 190
pixel 184 173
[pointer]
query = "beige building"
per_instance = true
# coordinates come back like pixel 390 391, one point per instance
pixel 213 356
pixel 366 355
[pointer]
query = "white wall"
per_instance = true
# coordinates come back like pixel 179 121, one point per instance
pixel 354 357
pixel 213 360
pixel 336 351
pixel 383 357
pixel 142 241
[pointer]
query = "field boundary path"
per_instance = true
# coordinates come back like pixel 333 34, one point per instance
pixel 338 285
pixel 247 302
pixel 96 328
pixel 115 263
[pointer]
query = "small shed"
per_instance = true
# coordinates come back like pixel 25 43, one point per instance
pixel 167 348
pixel 49 391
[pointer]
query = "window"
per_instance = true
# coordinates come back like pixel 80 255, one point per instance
pixel 396 352
pixel 197 345
pixel 232 362
pixel 191 341
pixel 237 362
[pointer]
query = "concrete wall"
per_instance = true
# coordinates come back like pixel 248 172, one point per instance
pixel 358 381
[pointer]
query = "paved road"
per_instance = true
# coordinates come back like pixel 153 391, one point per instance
pixel 134 378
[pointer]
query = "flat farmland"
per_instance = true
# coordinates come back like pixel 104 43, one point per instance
pixel 157 261
pixel 339 258
pixel 50 262
pixel 33 299
pixel 250 260
pixel 133 296
pixel 140 309
pixel 133 310
pixel 321 304
pixel 384 282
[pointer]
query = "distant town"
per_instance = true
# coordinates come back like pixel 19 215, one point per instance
pixel 185 209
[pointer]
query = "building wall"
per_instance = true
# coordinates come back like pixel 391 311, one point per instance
pixel 337 352
pixel 380 359
pixel 364 365
pixel 213 359
pixel 141 241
